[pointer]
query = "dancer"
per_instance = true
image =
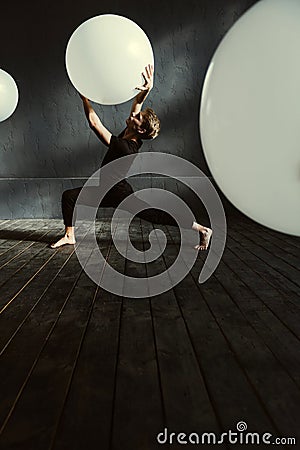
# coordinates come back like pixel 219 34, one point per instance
pixel 140 125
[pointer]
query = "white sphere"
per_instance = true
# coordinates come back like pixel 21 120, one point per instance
pixel 8 95
pixel 105 57
pixel 250 115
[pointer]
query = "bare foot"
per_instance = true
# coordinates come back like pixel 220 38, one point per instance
pixel 205 239
pixel 63 241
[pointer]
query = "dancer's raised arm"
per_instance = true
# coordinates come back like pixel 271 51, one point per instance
pixel 139 99
pixel 95 123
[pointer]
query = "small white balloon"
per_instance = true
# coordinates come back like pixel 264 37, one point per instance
pixel 250 115
pixel 8 95
pixel 105 57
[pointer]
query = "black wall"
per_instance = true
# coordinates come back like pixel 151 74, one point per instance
pixel 46 145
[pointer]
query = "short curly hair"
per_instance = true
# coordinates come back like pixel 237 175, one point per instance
pixel 151 124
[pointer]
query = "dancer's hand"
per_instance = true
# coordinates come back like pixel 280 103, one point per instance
pixel 148 75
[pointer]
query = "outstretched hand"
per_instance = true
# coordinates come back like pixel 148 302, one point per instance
pixel 148 75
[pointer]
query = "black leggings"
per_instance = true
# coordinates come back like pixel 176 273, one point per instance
pixel 112 200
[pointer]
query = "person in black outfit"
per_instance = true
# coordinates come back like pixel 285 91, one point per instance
pixel 140 125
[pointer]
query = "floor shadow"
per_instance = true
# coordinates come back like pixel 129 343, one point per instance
pixel 36 236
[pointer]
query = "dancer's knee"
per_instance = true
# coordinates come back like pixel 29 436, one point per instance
pixel 66 195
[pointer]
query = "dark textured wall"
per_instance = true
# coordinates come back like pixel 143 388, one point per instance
pixel 46 145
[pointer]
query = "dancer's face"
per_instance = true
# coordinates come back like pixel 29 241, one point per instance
pixel 135 122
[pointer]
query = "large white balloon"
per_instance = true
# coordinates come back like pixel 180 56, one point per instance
pixel 8 95
pixel 105 57
pixel 250 114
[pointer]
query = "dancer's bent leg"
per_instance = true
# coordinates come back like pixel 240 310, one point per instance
pixel 161 217
pixel 89 197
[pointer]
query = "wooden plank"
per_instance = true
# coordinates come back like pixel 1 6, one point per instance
pixel 37 421
pixel 10 238
pixel 57 361
pixel 21 249
pixel 252 272
pixel 91 392
pixel 281 270
pixel 251 255
pixel 137 384
pixel 280 340
pixel 18 304
pixel 21 356
pixel 274 242
pixel 225 379
pixel 284 258
pixel 22 270
pixel 9 223
pixel 187 403
pixel 281 238
pixel 263 371
pixel 18 239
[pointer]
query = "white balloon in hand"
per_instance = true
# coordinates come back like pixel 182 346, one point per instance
pixel 105 57
pixel 8 95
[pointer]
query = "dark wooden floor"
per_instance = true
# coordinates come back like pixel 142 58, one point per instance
pixel 81 368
